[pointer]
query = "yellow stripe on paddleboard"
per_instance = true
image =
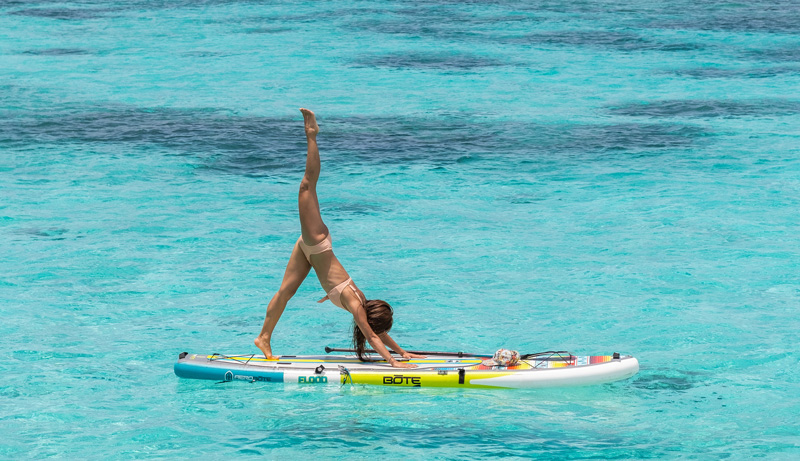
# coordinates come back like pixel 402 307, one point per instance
pixel 422 379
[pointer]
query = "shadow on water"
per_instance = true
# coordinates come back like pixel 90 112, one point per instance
pixel 709 108
pixel 665 380
pixel 258 146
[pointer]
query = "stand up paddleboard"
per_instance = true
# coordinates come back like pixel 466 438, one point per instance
pixel 439 369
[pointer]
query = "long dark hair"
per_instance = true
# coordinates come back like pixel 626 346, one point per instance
pixel 379 317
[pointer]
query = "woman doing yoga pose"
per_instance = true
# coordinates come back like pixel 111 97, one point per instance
pixel 372 318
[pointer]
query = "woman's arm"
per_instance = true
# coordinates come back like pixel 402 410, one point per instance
pixel 375 341
pixel 396 348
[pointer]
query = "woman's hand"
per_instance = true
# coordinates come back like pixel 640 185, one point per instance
pixel 397 364
pixel 409 355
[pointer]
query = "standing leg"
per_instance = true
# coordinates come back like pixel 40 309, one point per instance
pixel 296 272
pixel 311 225
pixel 313 231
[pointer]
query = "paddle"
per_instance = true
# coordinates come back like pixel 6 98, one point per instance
pixel 328 350
pixel 551 355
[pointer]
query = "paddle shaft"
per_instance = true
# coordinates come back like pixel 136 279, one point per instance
pixel 371 351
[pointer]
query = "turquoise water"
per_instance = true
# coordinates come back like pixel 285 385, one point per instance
pixel 585 175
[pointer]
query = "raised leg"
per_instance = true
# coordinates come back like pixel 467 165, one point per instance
pixel 296 272
pixel 311 226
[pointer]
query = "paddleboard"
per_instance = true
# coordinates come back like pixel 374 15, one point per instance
pixel 447 370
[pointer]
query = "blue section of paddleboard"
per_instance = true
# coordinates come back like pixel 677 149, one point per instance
pixel 194 371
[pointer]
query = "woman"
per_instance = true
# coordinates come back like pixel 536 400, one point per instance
pixel 372 318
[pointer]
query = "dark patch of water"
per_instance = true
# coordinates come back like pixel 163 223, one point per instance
pixel 58 52
pixel 271 24
pixel 443 23
pixel 235 322
pixel 621 41
pixel 667 380
pixel 454 15
pixel 254 164
pixel 295 17
pixel 447 141
pixel 52 233
pixel 709 108
pixel 752 72
pixel 266 30
pixel 762 16
pixel 430 61
pixel 257 146
pixel 781 54
pixel 185 131
pixel 413 29
pixel 65 14
pixel 206 54
pixel 352 208
pixel 93 9
pixel 450 24
pixel 627 138
pixel 771 16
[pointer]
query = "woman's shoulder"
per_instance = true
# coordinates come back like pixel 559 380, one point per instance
pixel 352 299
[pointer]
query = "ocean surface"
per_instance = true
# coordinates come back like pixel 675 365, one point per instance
pixel 594 176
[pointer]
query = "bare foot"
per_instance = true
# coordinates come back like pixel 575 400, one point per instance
pixel 310 122
pixel 263 344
